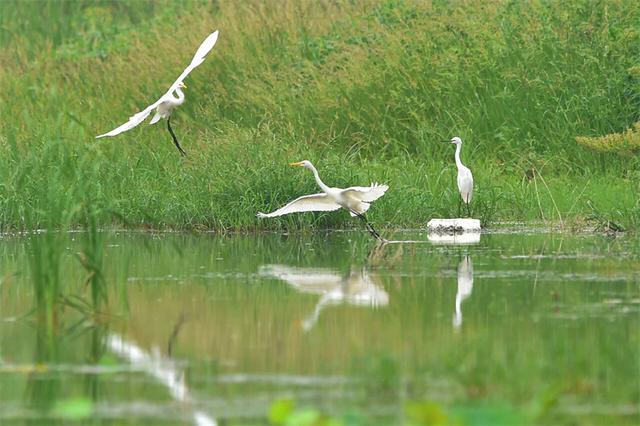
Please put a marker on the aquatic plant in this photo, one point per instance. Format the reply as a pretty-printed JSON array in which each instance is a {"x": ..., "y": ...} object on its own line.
[{"x": 92, "y": 258}]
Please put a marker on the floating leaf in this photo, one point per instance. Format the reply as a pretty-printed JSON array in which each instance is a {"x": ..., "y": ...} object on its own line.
[
  {"x": 73, "y": 409},
  {"x": 427, "y": 413},
  {"x": 280, "y": 411}
]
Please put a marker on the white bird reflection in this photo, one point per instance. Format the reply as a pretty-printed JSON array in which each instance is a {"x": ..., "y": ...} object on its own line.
[
  {"x": 465, "y": 287},
  {"x": 358, "y": 288},
  {"x": 165, "y": 370},
  {"x": 462, "y": 239}
]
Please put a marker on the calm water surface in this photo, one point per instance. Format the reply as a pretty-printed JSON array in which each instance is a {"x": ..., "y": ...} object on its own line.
[{"x": 204, "y": 330}]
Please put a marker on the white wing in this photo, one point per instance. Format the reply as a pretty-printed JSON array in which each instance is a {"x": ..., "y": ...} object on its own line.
[
  {"x": 367, "y": 193},
  {"x": 198, "y": 58},
  {"x": 465, "y": 184},
  {"x": 307, "y": 280},
  {"x": 307, "y": 203},
  {"x": 134, "y": 120}
]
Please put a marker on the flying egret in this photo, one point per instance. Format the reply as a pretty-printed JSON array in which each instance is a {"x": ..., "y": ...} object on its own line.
[
  {"x": 167, "y": 102},
  {"x": 355, "y": 199},
  {"x": 465, "y": 178}
]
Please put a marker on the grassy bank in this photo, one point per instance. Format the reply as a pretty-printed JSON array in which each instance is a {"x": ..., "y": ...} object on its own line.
[{"x": 365, "y": 89}]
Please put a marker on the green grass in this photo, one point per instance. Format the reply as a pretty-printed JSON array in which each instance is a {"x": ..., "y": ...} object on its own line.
[{"x": 364, "y": 89}]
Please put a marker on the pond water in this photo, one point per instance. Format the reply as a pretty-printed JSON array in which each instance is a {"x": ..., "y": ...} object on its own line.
[{"x": 202, "y": 329}]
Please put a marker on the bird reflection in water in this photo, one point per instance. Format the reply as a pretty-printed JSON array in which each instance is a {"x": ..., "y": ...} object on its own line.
[
  {"x": 358, "y": 288},
  {"x": 164, "y": 369},
  {"x": 465, "y": 287}
]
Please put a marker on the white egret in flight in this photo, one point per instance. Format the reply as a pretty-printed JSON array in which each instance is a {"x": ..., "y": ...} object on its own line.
[
  {"x": 167, "y": 102},
  {"x": 167, "y": 371},
  {"x": 465, "y": 178},
  {"x": 355, "y": 199}
]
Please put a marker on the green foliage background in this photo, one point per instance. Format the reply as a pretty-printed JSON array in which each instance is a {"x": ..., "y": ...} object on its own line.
[{"x": 365, "y": 89}]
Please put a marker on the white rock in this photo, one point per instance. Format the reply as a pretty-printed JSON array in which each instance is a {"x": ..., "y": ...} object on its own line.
[{"x": 453, "y": 226}]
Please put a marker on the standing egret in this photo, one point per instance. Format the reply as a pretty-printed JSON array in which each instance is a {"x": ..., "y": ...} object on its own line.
[
  {"x": 465, "y": 287},
  {"x": 465, "y": 178},
  {"x": 167, "y": 102},
  {"x": 355, "y": 199}
]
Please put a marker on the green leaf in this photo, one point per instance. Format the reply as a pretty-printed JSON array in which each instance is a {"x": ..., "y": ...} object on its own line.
[
  {"x": 495, "y": 413},
  {"x": 307, "y": 417},
  {"x": 280, "y": 411},
  {"x": 427, "y": 413},
  {"x": 74, "y": 408}
]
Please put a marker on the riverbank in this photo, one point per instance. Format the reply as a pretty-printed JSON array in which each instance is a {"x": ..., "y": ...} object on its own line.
[{"x": 365, "y": 90}]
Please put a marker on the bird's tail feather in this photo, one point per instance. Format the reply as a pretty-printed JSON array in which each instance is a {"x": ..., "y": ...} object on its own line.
[
  {"x": 363, "y": 207},
  {"x": 155, "y": 118}
]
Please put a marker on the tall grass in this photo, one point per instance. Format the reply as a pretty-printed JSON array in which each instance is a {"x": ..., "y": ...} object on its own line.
[{"x": 365, "y": 89}]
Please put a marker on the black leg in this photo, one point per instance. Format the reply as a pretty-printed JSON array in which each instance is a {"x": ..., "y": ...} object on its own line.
[
  {"x": 459, "y": 206},
  {"x": 369, "y": 227},
  {"x": 469, "y": 209},
  {"x": 174, "y": 333},
  {"x": 175, "y": 140}
]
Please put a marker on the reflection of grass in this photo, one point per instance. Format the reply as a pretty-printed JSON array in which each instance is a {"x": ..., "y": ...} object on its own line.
[
  {"x": 46, "y": 251},
  {"x": 365, "y": 91},
  {"x": 91, "y": 259},
  {"x": 379, "y": 373},
  {"x": 51, "y": 290},
  {"x": 53, "y": 293}
]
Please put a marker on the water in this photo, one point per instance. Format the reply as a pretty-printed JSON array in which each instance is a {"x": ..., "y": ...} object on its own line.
[{"x": 202, "y": 329}]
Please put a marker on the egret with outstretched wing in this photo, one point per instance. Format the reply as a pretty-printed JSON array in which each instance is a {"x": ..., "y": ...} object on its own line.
[
  {"x": 358, "y": 288},
  {"x": 167, "y": 102},
  {"x": 355, "y": 199}
]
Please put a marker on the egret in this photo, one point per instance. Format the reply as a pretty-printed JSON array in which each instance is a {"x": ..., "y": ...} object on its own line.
[
  {"x": 465, "y": 178},
  {"x": 357, "y": 289},
  {"x": 167, "y": 371},
  {"x": 168, "y": 102},
  {"x": 465, "y": 287},
  {"x": 355, "y": 199}
]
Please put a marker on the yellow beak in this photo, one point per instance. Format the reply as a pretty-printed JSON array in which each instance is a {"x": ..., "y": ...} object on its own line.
[{"x": 299, "y": 164}]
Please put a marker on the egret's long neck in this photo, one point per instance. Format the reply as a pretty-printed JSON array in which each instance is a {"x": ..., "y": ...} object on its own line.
[
  {"x": 459, "y": 303},
  {"x": 458, "y": 149},
  {"x": 457, "y": 318},
  {"x": 180, "y": 98},
  {"x": 321, "y": 184}
]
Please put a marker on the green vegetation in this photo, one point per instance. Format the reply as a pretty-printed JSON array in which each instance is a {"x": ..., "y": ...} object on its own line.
[
  {"x": 625, "y": 143},
  {"x": 422, "y": 413},
  {"x": 365, "y": 89}
]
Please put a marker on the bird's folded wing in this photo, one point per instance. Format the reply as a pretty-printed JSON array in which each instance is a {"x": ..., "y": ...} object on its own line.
[
  {"x": 198, "y": 58},
  {"x": 312, "y": 280},
  {"x": 306, "y": 203},
  {"x": 367, "y": 193}
]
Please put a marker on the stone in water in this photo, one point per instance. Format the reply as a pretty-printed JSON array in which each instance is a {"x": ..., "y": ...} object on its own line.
[{"x": 453, "y": 226}]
